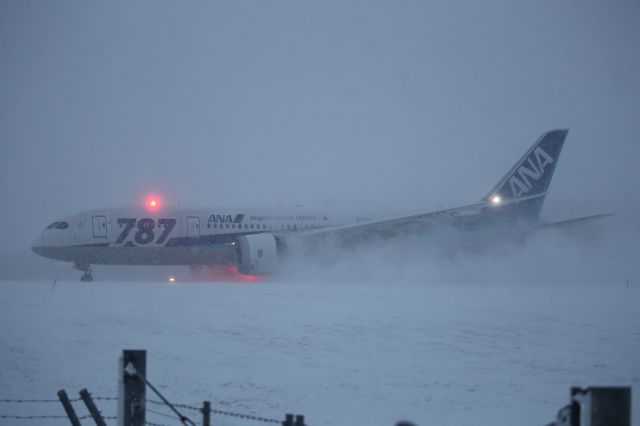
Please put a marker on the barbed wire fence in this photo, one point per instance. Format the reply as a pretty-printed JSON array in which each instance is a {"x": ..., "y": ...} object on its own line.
[
  {"x": 593, "y": 406},
  {"x": 132, "y": 405},
  {"x": 149, "y": 403},
  {"x": 30, "y": 402}
]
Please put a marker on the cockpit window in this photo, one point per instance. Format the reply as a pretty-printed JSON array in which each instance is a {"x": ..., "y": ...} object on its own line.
[{"x": 58, "y": 225}]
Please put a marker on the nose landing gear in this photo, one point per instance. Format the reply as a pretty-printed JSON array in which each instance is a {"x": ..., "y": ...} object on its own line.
[{"x": 86, "y": 276}]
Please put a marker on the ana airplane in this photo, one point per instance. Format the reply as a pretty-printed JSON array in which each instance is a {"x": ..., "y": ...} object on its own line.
[{"x": 254, "y": 240}]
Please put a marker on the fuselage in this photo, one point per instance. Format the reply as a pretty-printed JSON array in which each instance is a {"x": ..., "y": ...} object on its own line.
[{"x": 173, "y": 236}]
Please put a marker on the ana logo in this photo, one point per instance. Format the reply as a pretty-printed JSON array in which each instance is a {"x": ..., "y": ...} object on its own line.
[
  {"x": 529, "y": 172},
  {"x": 222, "y": 218}
]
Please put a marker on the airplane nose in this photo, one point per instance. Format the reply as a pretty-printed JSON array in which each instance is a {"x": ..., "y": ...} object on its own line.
[
  {"x": 38, "y": 244},
  {"x": 52, "y": 240}
]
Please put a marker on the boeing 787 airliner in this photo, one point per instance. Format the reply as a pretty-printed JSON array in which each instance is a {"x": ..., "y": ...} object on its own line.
[{"x": 254, "y": 239}]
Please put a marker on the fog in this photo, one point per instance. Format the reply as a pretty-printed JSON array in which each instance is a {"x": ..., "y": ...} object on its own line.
[
  {"x": 403, "y": 105},
  {"x": 597, "y": 254},
  {"x": 415, "y": 105}
]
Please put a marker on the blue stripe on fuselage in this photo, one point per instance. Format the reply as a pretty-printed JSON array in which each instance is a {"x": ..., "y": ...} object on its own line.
[{"x": 206, "y": 240}]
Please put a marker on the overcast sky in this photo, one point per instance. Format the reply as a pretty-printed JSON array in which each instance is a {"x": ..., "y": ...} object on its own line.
[{"x": 399, "y": 103}]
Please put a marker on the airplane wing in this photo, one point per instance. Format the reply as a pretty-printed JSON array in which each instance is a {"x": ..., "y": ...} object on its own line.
[
  {"x": 391, "y": 227},
  {"x": 465, "y": 218}
]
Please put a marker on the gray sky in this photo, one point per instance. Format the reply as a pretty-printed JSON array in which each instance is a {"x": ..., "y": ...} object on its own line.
[{"x": 398, "y": 103}]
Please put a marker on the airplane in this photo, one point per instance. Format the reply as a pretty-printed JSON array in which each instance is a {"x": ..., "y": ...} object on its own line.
[{"x": 255, "y": 240}]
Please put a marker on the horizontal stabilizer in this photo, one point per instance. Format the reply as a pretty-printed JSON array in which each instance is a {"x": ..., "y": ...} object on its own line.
[{"x": 569, "y": 223}]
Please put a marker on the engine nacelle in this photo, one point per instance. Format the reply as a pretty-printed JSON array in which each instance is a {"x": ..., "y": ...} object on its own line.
[{"x": 257, "y": 254}]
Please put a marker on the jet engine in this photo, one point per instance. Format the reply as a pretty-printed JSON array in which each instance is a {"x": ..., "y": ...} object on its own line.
[{"x": 257, "y": 254}]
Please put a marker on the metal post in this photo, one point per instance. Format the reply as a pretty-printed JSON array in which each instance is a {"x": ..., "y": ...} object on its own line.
[
  {"x": 71, "y": 413},
  {"x": 288, "y": 420},
  {"x": 206, "y": 413},
  {"x": 601, "y": 406},
  {"x": 132, "y": 388},
  {"x": 91, "y": 406},
  {"x": 299, "y": 421}
]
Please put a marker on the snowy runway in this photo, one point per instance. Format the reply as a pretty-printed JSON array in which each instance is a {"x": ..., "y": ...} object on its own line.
[{"x": 337, "y": 353}]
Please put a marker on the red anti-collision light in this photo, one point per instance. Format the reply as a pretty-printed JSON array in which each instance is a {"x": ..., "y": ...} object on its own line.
[{"x": 153, "y": 202}]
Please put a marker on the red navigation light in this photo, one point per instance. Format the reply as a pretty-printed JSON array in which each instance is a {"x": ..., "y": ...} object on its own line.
[{"x": 153, "y": 202}]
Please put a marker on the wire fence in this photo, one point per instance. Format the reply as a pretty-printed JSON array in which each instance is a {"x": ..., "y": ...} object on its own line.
[
  {"x": 21, "y": 401},
  {"x": 149, "y": 403},
  {"x": 218, "y": 412},
  {"x": 133, "y": 404},
  {"x": 154, "y": 424}
]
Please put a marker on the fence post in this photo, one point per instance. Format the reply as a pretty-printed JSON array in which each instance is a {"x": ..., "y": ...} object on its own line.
[
  {"x": 206, "y": 413},
  {"x": 299, "y": 421},
  {"x": 91, "y": 406},
  {"x": 288, "y": 420},
  {"x": 131, "y": 389},
  {"x": 68, "y": 408},
  {"x": 602, "y": 406}
]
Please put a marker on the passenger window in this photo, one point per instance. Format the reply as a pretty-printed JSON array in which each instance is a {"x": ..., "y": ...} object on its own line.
[{"x": 62, "y": 225}]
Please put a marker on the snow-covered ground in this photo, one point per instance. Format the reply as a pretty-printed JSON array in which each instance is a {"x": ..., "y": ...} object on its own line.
[{"x": 338, "y": 353}]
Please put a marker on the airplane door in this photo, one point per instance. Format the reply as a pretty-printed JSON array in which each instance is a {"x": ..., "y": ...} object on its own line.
[
  {"x": 193, "y": 226},
  {"x": 99, "y": 226}
]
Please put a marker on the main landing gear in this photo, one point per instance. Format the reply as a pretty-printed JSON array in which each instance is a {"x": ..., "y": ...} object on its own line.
[{"x": 86, "y": 276}]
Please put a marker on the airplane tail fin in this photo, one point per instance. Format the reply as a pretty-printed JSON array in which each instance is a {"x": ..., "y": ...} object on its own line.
[{"x": 528, "y": 180}]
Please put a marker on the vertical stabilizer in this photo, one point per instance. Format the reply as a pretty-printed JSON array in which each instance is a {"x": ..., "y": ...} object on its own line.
[
  {"x": 530, "y": 177},
  {"x": 532, "y": 174}
]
